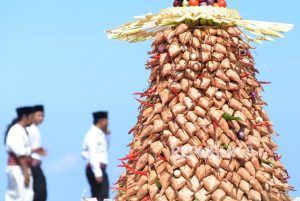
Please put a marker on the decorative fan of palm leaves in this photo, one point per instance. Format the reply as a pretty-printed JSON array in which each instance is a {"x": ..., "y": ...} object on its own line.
[{"x": 147, "y": 26}]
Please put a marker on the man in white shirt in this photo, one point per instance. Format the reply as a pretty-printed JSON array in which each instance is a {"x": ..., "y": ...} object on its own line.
[
  {"x": 95, "y": 152},
  {"x": 39, "y": 179},
  {"x": 19, "y": 150}
]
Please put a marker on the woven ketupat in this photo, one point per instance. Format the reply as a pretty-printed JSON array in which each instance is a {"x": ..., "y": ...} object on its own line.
[{"x": 202, "y": 132}]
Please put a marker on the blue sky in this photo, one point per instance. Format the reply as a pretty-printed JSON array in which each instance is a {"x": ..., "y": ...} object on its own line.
[{"x": 56, "y": 53}]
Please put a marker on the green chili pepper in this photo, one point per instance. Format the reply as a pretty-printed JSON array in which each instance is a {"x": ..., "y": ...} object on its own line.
[
  {"x": 225, "y": 146},
  {"x": 229, "y": 117},
  {"x": 158, "y": 184},
  {"x": 266, "y": 162}
]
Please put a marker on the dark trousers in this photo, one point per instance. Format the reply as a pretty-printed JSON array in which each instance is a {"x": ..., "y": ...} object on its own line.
[
  {"x": 98, "y": 190},
  {"x": 39, "y": 184}
]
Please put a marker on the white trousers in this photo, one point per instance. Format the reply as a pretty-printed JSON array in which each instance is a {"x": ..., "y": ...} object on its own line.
[{"x": 16, "y": 190}]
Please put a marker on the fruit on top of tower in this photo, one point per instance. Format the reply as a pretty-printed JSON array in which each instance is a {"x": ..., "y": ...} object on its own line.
[{"x": 185, "y": 3}]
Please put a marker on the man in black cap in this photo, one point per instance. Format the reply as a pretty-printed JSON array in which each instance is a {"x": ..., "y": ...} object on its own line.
[
  {"x": 39, "y": 180},
  {"x": 95, "y": 149},
  {"x": 19, "y": 151}
]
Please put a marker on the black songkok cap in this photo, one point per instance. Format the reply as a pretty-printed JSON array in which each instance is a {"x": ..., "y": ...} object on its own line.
[
  {"x": 100, "y": 115},
  {"x": 38, "y": 108},
  {"x": 24, "y": 111}
]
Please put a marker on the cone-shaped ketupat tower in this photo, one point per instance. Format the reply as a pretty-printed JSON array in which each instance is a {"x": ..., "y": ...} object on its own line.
[{"x": 202, "y": 133}]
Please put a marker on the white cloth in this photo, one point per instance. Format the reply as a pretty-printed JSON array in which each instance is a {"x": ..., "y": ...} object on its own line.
[
  {"x": 16, "y": 190},
  {"x": 18, "y": 143},
  {"x": 35, "y": 140},
  {"x": 95, "y": 149}
]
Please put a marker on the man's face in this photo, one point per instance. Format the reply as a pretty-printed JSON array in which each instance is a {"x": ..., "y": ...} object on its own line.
[
  {"x": 104, "y": 124},
  {"x": 38, "y": 117},
  {"x": 29, "y": 119}
]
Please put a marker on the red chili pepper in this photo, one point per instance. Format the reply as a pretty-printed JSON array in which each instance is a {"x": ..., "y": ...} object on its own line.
[
  {"x": 144, "y": 93},
  {"x": 146, "y": 198},
  {"x": 243, "y": 75},
  {"x": 262, "y": 124},
  {"x": 150, "y": 64},
  {"x": 145, "y": 103},
  {"x": 129, "y": 144},
  {"x": 133, "y": 159},
  {"x": 126, "y": 166},
  {"x": 140, "y": 118},
  {"x": 121, "y": 179},
  {"x": 162, "y": 158},
  {"x": 131, "y": 130},
  {"x": 265, "y": 82},
  {"x": 138, "y": 93},
  {"x": 129, "y": 168},
  {"x": 215, "y": 124},
  {"x": 131, "y": 156},
  {"x": 151, "y": 52},
  {"x": 149, "y": 92},
  {"x": 176, "y": 94},
  {"x": 119, "y": 189},
  {"x": 203, "y": 144},
  {"x": 200, "y": 76},
  {"x": 156, "y": 56}
]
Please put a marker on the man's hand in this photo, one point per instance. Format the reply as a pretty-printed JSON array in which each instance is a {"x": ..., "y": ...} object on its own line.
[
  {"x": 99, "y": 180},
  {"x": 26, "y": 179},
  {"x": 43, "y": 152},
  {"x": 40, "y": 151},
  {"x": 25, "y": 169}
]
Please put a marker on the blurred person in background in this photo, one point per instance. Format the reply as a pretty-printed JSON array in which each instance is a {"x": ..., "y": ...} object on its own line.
[
  {"x": 95, "y": 148},
  {"x": 39, "y": 179},
  {"x": 17, "y": 142}
]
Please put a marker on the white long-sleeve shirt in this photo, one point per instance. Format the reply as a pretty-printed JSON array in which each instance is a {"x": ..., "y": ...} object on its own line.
[
  {"x": 95, "y": 149},
  {"x": 35, "y": 140},
  {"x": 17, "y": 141}
]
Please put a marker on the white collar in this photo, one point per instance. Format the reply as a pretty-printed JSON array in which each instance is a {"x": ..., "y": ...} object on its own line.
[
  {"x": 19, "y": 125},
  {"x": 32, "y": 126},
  {"x": 98, "y": 130}
]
